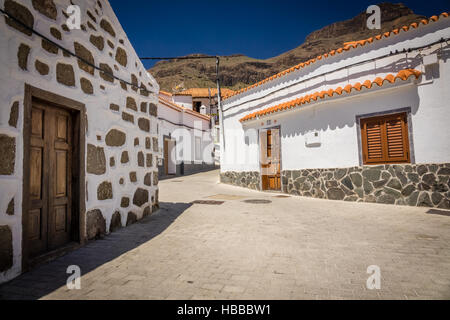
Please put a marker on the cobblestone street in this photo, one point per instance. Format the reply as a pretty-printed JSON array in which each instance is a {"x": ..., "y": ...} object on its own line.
[{"x": 290, "y": 248}]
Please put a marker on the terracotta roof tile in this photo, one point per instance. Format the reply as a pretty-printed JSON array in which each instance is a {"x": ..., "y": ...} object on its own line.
[
  {"x": 402, "y": 75},
  {"x": 347, "y": 46},
  {"x": 204, "y": 92}
]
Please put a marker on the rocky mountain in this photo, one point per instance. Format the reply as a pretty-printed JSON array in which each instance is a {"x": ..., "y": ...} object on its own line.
[{"x": 238, "y": 71}]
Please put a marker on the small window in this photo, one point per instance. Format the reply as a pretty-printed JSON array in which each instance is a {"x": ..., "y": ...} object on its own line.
[
  {"x": 197, "y": 106},
  {"x": 198, "y": 148},
  {"x": 385, "y": 139}
]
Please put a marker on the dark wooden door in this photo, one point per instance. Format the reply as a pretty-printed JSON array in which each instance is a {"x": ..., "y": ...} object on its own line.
[
  {"x": 270, "y": 159},
  {"x": 166, "y": 157},
  {"x": 50, "y": 195}
]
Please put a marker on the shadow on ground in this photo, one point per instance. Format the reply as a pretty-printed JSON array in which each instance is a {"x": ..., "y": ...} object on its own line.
[{"x": 48, "y": 277}]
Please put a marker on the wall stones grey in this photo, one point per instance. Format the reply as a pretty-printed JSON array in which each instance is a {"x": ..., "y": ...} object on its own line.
[
  {"x": 140, "y": 197},
  {"x": 133, "y": 176},
  {"x": 22, "y": 14},
  {"x": 49, "y": 47},
  {"x": 90, "y": 15},
  {"x": 6, "y": 248},
  {"x": 114, "y": 107},
  {"x": 148, "y": 179},
  {"x": 65, "y": 74},
  {"x": 105, "y": 25},
  {"x": 121, "y": 56},
  {"x": 84, "y": 53},
  {"x": 104, "y": 191},
  {"x": 131, "y": 218},
  {"x": 242, "y": 179},
  {"x": 14, "y": 114},
  {"x": 95, "y": 224},
  {"x": 115, "y": 138},
  {"x": 98, "y": 42},
  {"x": 153, "y": 110},
  {"x": 10, "y": 209},
  {"x": 147, "y": 212},
  {"x": 125, "y": 202},
  {"x": 46, "y": 7},
  {"x": 124, "y": 157},
  {"x": 155, "y": 178},
  {"x": 106, "y": 75},
  {"x": 131, "y": 104},
  {"x": 7, "y": 154},
  {"x": 135, "y": 83},
  {"x": 86, "y": 86},
  {"x": 127, "y": 117},
  {"x": 414, "y": 185},
  {"x": 42, "y": 68},
  {"x": 116, "y": 222},
  {"x": 424, "y": 185},
  {"x": 56, "y": 33},
  {"x": 22, "y": 56},
  {"x": 141, "y": 160},
  {"x": 96, "y": 160},
  {"x": 144, "y": 124}
]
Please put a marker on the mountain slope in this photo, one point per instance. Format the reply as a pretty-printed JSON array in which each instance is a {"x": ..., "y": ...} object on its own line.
[{"x": 239, "y": 71}]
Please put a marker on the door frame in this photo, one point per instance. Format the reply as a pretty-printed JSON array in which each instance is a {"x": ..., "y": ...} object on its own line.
[
  {"x": 78, "y": 110},
  {"x": 259, "y": 158},
  {"x": 169, "y": 138}
]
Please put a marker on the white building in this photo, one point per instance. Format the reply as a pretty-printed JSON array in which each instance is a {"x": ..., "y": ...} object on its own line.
[
  {"x": 366, "y": 122},
  {"x": 78, "y": 159},
  {"x": 186, "y": 141}
]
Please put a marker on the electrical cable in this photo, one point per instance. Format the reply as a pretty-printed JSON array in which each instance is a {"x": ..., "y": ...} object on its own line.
[{"x": 404, "y": 51}]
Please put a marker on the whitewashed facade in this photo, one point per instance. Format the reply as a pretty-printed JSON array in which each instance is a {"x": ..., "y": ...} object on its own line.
[
  {"x": 117, "y": 173},
  {"x": 186, "y": 140},
  {"x": 321, "y": 153}
]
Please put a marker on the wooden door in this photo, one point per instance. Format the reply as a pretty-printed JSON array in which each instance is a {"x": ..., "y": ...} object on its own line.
[
  {"x": 50, "y": 194},
  {"x": 166, "y": 157},
  {"x": 270, "y": 159}
]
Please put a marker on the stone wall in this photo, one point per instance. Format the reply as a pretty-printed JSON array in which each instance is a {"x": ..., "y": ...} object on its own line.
[
  {"x": 121, "y": 118},
  {"x": 423, "y": 185},
  {"x": 249, "y": 180}
]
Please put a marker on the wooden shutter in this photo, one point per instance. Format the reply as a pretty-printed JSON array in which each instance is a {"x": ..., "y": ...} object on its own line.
[{"x": 385, "y": 139}]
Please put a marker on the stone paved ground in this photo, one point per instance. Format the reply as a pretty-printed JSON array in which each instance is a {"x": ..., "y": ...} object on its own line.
[{"x": 292, "y": 248}]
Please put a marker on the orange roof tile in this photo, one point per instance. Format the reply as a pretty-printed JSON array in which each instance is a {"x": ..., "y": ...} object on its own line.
[
  {"x": 204, "y": 92},
  {"x": 347, "y": 46},
  {"x": 402, "y": 75}
]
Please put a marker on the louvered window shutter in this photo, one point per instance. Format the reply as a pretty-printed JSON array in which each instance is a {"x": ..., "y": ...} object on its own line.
[
  {"x": 397, "y": 139},
  {"x": 385, "y": 139}
]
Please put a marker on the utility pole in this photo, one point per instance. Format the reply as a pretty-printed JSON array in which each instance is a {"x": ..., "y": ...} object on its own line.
[{"x": 219, "y": 107}]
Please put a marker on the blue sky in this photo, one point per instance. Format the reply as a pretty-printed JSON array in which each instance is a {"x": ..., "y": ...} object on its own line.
[{"x": 259, "y": 29}]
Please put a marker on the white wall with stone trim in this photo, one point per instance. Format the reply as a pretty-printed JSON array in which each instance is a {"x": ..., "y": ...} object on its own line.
[
  {"x": 100, "y": 117},
  {"x": 335, "y": 118}
]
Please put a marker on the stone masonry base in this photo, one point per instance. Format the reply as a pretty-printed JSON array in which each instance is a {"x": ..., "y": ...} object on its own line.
[{"x": 423, "y": 185}]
